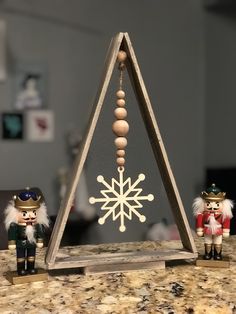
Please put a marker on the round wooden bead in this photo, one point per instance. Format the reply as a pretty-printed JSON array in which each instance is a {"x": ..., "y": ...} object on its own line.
[
  {"x": 120, "y": 113},
  {"x": 120, "y": 153},
  {"x": 122, "y": 55},
  {"x": 120, "y": 102},
  {"x": 120, "y": 161},
  {"x": 121, "y": 142},
  {"x": 120, "y": 127},
  {"x": 120, "y": 94}
]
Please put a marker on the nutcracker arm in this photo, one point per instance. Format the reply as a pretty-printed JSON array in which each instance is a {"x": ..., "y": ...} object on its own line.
[
  {"x": 226, "y": 233},
  {"x": 40, "y": 235},
  {"x": 226, "y": 227},
  {"x": 199, "y": 225},
  {"x": 199, "y": 232},
  {"x": 12, "y": 231},
  {"x": 39, "y": 243},
  {"x": 11, "y": 245}
]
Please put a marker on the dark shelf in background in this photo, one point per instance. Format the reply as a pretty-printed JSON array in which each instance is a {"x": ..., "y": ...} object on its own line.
[
  {"x": 225, "y": 179},
  {"x": 224, "y": 7}
]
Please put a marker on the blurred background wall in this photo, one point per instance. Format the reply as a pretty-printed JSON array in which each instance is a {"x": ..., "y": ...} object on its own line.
[
  {"x": 220, "y": 88},
  {"x": 186, "y": 55}
]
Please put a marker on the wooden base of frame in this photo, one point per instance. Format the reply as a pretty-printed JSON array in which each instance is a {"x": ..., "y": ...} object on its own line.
[
  {"x": 224, "y": 263},
  {"x": 133, "y": 258},
  {"x": 116, "y": 268},
  {"x": 15, "y": 279}
]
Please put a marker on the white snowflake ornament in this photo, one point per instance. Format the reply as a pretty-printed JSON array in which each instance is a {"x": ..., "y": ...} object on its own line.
[{"x": 121, "y": 199}]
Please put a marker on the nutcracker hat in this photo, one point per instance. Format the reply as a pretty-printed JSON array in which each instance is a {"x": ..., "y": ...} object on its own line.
[
  {"x": 27, "y": 200},
  {"x": 213, "y": 194}
]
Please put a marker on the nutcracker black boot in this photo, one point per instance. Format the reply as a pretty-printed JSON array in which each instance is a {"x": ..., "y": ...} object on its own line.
[
  {"x": 30, "y": 265},
  {"x": 21, "y": 267},
  {"x": 208, "y": 251},
  {"x": 217, "y": 252}
]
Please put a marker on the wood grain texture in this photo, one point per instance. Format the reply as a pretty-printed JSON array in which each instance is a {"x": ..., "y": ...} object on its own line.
[
  {"x": 224, "y": 263},
  {"x": 158, "y": 146},
  {"x": 122, "y": 42},
  {"x": 120, "y": 258},
  {"x": 15, "y": 279},
  {"x": 114, "y": 268},
  {"x": 66, "y": 204}
]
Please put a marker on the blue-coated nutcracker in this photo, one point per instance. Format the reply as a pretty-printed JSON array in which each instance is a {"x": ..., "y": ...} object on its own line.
[{"x": 25, "y": 220}]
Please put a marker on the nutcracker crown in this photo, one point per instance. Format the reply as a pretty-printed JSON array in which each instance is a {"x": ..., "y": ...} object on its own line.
[
  {"x": 27, "y": 200},
  {"x": 213, "y": 194}
]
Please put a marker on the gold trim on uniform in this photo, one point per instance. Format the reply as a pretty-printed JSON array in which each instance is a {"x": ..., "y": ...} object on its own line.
[
  {"x": 11, "y": 242},
  {"x": 31, "y": 258},
  {"x": 20, "y": 260}
]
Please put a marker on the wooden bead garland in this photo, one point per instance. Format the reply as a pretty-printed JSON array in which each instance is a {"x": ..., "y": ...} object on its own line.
[
  {"x": 120, "y": 161},
  {"x": 120, "y": 94},
  {"x": 120, "y": 113},
  {"x": 121, "y": 142},
  {"x": 120, "y": 127},
  {"x": 120, "y": 152},
  {"x": 120, "y": 102},
  {"x": 121, "y": 196},
  {"x": 122, "y": 56}
]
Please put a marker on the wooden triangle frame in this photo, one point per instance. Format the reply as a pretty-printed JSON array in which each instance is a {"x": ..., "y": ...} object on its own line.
[{"x": 122, "y": 42}]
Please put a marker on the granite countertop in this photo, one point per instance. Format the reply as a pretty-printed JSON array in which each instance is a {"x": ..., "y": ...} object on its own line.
[{"x": 180, "y": 288}]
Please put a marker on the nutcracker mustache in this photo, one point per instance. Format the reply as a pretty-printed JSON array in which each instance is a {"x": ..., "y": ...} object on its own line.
[
  {"x": 30, "y": 219},
  {"x": 29, "y": 231}
]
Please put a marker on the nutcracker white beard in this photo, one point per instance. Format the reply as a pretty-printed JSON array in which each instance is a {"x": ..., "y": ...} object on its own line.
[
  {"x": 29, "y": 231},
  {"x": 213, "y": 224}
]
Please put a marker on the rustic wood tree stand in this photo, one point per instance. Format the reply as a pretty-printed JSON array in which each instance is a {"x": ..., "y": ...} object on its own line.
[{"x": 109, "y": 262}]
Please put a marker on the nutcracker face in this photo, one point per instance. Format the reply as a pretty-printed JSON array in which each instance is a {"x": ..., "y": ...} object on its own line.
[
  {"x": 213, "y": 206},
  {"x": 27, "y": 216}
]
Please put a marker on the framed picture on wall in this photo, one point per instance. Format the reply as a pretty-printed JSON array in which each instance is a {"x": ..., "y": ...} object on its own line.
[
  {"x": 12, "y": 126},
  {"x": 30, "y": 86},
  {"x": 40, "y": 125}
]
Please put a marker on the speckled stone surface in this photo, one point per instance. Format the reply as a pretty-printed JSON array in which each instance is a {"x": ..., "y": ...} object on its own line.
[{"x": 180, "y": 288}]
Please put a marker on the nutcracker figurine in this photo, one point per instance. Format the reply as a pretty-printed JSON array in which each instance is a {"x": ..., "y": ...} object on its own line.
[
  {"x": 213, "y": 213},
  {"x": 25, "y": 221}
]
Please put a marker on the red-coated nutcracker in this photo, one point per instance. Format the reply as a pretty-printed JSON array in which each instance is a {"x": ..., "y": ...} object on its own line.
[{"x": 213, "y": 213}]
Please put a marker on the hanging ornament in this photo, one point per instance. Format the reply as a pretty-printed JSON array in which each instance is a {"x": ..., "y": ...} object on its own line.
[{"x": 122, "y": 198}]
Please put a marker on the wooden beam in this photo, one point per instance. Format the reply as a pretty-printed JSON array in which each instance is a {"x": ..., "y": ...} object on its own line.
[
  {"x": 116, "y": 258},
  {"x": 123, "y": 267},
  {"x": 67, "y": 202},
  {"x": 158, "y": 147}
]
